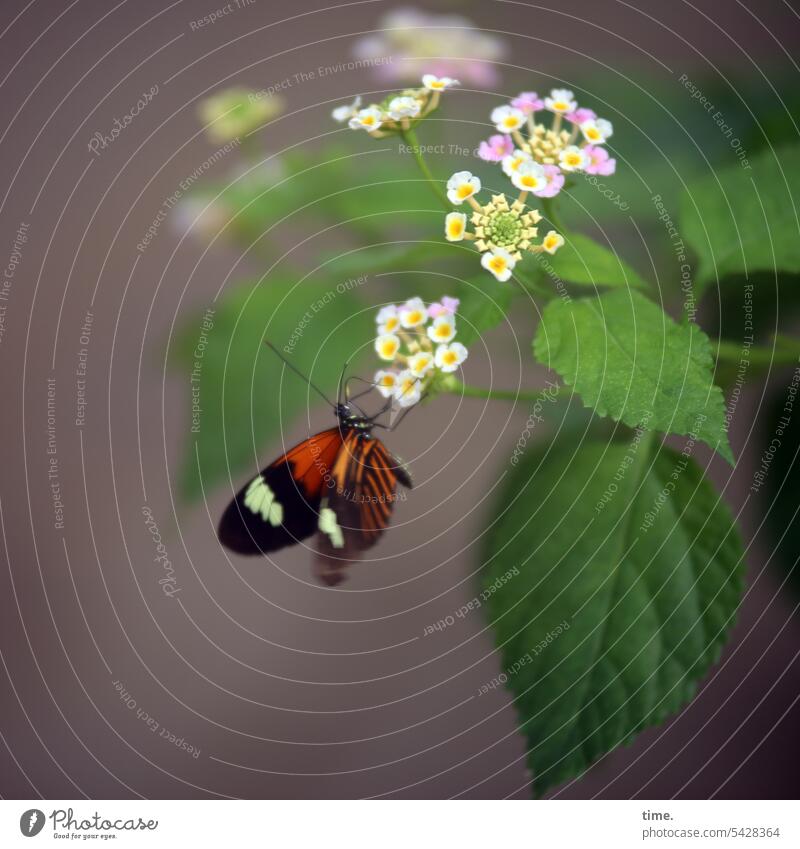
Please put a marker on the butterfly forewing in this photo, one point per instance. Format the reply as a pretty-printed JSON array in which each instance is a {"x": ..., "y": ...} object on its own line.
[{"x": 280, "y": 506}]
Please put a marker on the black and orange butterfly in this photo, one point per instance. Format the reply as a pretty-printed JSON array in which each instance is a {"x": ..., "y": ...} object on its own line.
[{"x": 341, "y": 483}]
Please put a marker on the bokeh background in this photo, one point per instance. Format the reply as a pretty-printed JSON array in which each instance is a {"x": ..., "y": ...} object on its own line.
[{"x": 283, "y": 688}]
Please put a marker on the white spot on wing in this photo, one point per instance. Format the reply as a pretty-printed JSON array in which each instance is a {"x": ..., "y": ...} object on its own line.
[
  {"x": 329, "y": 525},
  {"x": 260, "y": 499}
]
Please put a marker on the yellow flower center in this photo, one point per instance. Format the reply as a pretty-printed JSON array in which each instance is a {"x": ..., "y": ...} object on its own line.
[
  {"x": 388, "y": 349},
  {"x": 593, "y": 134},
  {"x": 561, "y": 106},
  {"x": 391, "y": 323},
  {"x": 497, "y": 263},
  {"x": 464, "y": 190},
  {"x": 368, "y": 120},
  {"x": 456, "y": 227},
  {"x": 414, "y": 317},
  {"x": 550, "y": 242},
  {"x": 449, "y": 358},
  {"x": 443, "y": 331},
  {"x": 573, "y": 159},
  {"x": 529, "y": 181},
  {"x": 511, "y": 121},
  {"x": 436, "y": 84},
  {"x": 387, "y": 380}
]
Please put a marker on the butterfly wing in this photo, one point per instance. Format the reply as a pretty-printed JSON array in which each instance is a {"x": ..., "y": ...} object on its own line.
[
  {"x": 280, "y": 506},
  {"x": 355, "y": 512}
]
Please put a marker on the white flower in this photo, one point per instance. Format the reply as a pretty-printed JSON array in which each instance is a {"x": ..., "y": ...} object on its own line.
[
  {"x": 454, "y": 226},
  {"x": 499, "y": 262},
  {"x": 413, "y": 313},
  {"x": 345, "y": 113},
  {"x": 387, "y": 345},
  {"x": 408, "y": 390},
  {"x": 529, "y": 177},
  {"x": 561, "y": 100},
  {"x": 507, "y": 118},
  {"x": 449, "y": 357},
  {"x": 513, "y": 161},
  {"x": 443, "y": 328},
  {"x": 388, "y": 319},
  {"x": 420, "y": 364},
  {"x": 552, "y": 241},
  {"x": 404, "y": 107},
  {"x": 462, "y": 185},
  {"x": 434, "y": 83},
  {"x": 369, "y": 119},
  {"x": 597, "y": 132},
  {"x": 572, "y": 158},
  {"x": 386, "y": 382}
]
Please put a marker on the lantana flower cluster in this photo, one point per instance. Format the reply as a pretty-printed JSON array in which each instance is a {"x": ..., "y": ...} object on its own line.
[
  {"x": 540, "y": 156},
  {"x": 501, "y": 231},
  {"x": 398, "y": 112},
  {"x": 418, "y": 344}
]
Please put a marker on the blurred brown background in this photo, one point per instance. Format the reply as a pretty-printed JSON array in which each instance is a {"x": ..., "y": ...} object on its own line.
[{"x": 288, "y": 689}]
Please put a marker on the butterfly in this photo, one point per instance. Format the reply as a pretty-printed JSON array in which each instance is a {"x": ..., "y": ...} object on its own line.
[{"x": 340, "y": 483}]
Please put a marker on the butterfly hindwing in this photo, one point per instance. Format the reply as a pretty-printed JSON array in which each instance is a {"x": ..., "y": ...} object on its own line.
[
  {"x": 354, "y": 513},
  {"x": 280, "y": 506}
]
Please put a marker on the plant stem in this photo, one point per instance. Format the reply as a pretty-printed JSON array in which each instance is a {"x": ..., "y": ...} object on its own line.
[
  {"x": 454, "y": 386},
  {"x": 785, "y": 352},
  {"x": 549, "y": 207},
  {"x": 410, "y": 138}
]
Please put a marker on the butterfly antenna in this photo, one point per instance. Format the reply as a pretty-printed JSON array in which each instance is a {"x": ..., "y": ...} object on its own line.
[
  {"x": 297, "y": 371},
  {"x": 341, "y": 382}
]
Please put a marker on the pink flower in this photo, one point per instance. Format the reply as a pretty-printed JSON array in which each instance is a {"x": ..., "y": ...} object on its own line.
[
  {"x": 495, "y": 148},
  {"x": 581, "y": 115},
  {"x": 447, "y": 306},
  {"x": 599, "y": 161},
  {"x": 554, "y": 181},
  {"x": 528, "y": 102}
]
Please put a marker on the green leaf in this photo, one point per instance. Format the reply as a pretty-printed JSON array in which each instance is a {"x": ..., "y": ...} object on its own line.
[
  {"x": 608, "y": 608},
  {"x": 482, "y": 307},
  {"x": 742, "y": 220},
  {"x": 629, "y": 360},
  {"x": 581, "y": 260},
  {"x": 246, "y": 396}
]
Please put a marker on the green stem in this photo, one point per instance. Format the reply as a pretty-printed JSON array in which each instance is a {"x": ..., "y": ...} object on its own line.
[
  {"x": 785, "y": 352},
  {"x": 453, "y": 386},
  {"x": 549, "y": 207},
  {"x": 410, "y": 138}
]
